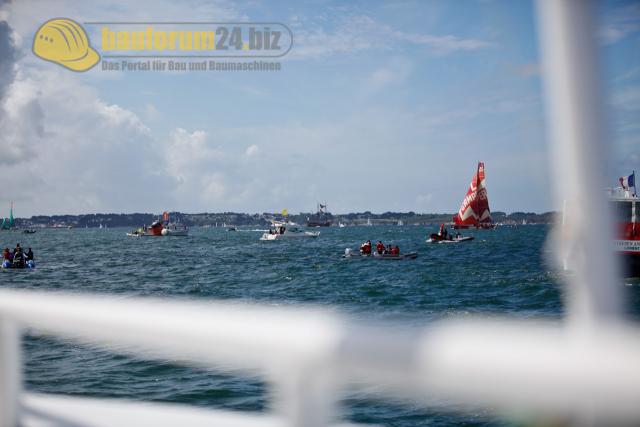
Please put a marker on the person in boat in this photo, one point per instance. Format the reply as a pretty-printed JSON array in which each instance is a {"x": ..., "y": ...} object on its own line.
[
  {"x": 18, "y": 257},
  {"x": 395, "y": 250},
  {"x": 6, "y": 255},
  {"x": 29, "y": 255},
  {"x": 380, "y": 247},
  {"x": 365, "y": 248},
  {"x": 388, "y": 249},
  {"x": 458, "y": 235}
]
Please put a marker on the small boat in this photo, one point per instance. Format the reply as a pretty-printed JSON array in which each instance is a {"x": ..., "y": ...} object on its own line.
[
  {"x": 28, "y": 265},
  {"x": 161, "y": 228},
  {"x": 474, "y": 210},
  {"x": 349, "y": 253},
  {"x": 232, "y": 228},
  {"x": 29, "y": 231},
  {"x": 289, "y": 230},
  {"x": 436, "y": 238}
]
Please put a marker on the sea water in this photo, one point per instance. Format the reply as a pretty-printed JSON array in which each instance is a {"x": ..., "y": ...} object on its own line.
[{"x": 502, "y": 271}]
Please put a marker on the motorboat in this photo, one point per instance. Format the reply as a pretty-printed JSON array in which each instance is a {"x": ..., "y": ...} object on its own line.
[
  {"x": 437, "y": 238},
  {"x": 161, "y": 228},
  {"x": 286, "y": 230}
]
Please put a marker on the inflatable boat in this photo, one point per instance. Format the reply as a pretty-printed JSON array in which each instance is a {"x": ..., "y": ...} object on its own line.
[
  {"x": 436, "y": 238},
  {"x": 348, "y": 253},
  {"x": 27, "y": 264}
]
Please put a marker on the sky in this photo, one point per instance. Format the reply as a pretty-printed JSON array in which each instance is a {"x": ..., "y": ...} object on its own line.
[{"x": 379, "y": 106}]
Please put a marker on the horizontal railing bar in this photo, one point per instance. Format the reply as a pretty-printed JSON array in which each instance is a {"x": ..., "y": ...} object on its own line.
[
  {"x": 505, "y": 364},
  {"x": 45, "y": 410}
]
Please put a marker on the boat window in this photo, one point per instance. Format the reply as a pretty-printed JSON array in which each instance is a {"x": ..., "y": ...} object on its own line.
[{"x": 622, "y": 211}]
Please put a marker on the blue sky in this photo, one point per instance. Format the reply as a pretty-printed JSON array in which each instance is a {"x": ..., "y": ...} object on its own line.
[{"x": 379, "y": 106}]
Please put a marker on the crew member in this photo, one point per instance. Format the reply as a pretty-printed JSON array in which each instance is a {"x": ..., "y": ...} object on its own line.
[
  {"x": 18, "y": 257},
  {"x": 380, "y": 247},
  {"x": 365, "y": 248}
]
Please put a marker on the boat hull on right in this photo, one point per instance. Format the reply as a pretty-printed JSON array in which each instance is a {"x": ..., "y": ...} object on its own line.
[{"x": 626, "y": 208}]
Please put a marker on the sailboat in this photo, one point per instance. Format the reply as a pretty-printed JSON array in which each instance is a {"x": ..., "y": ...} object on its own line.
[
  {"x": 474, "y": 210},
  {"x": 8, "y": 224}
]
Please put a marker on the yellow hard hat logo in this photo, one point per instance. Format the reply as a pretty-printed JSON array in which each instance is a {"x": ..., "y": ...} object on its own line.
[{"x": 65, "y": 42}]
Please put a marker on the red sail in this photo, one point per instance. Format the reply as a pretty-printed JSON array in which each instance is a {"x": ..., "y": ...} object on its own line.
[{"x": 474, "y": 210}]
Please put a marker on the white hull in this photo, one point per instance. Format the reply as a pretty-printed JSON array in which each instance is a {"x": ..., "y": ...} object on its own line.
[
  {"x": 289, "y": 235},
  {"x": 456, "y": 240},
  {"x": 170, "y": 232}
]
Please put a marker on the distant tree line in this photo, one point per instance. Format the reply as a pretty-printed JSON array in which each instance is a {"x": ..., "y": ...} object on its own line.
[{"x": 257, "y": 219}]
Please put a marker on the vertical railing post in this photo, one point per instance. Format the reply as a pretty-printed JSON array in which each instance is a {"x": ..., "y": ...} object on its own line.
[
  {"x": 569, "y": 42},
  {"x": 10, "y": 372},
  {"x": 304, "y": 396}
]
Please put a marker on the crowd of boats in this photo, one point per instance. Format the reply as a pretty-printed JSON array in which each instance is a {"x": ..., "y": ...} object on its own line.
[{"x": 474, "y": 212}]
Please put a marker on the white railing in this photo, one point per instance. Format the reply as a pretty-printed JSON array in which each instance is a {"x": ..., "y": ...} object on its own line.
[
  {"x": 308, "y": 354},
  {"x": 584, "y": 370}
]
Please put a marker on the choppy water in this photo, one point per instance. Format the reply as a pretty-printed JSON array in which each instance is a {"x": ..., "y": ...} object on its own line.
[{"x": 502, "y": 271}]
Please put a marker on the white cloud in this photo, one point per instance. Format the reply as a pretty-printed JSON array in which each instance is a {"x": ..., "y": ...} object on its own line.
[
  {"x": 395, "y": 72},
  {"x": 252, "y": 150},
  {"x": 620, "y": 23},
  {"x": 627, "y": 98},
  {"x": 72, "y": 152},
  {"x": 355, "y": 33}
]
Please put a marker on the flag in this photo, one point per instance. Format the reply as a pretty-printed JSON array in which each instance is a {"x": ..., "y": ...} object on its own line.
[
  {"x": 628, "y": 181},
  {"x": 284, "y": 212}
]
